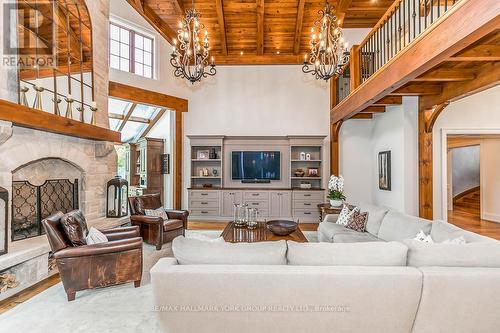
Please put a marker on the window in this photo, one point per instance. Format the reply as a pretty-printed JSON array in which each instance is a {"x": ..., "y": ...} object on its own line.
[{"x": 130, "y": 51}]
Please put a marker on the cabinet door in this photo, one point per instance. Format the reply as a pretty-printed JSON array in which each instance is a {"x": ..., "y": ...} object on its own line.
[
  {"x": 286, "y": 205},
  {"x": 275, "y": 204},
  {"x": 229, "y": 199}
]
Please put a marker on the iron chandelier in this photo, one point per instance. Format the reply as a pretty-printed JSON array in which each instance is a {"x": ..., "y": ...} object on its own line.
[
  {"x": 190, "y": 53},
  {"x": 328, "y": 50}
]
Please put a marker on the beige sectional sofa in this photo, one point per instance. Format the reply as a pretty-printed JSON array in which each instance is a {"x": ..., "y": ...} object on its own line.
[{"x": 213, "y": 286}]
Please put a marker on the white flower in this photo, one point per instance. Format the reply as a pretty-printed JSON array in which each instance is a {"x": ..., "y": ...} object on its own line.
[
  {"x": 333, "y": 184},
  {"x": 340, "y": 184}
]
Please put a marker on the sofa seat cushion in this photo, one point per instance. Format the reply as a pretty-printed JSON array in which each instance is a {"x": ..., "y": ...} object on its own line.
[
  {"x": 338, "y": 254},
  {"x": 354, "y": 237},
  {"x": 397, "y": 226},
  {"x": 190, "y": 251},
  {"x": 479, "y": 254},
  {"x": 375, "y": 216},
  {"x": 326, "y": 230},
  {"x": 442, "y": 231},
  {"x": 172, "y": 224}
]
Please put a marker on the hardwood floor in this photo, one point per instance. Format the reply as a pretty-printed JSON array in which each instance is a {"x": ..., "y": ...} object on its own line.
[
  {"x": 26, "y": 294},
  {"x": 466, "y": 215}
]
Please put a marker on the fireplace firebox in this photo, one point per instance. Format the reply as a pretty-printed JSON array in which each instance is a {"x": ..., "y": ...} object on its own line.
[{"x": 31, "y": 204}]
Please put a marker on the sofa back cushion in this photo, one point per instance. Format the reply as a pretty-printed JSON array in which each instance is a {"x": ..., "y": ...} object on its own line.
[
  {"x": 190, "y": 251},
  {"x": 442, "y": 231},
  {"x": 479, "y": 254},
  {"x": 397, "y": 226},
  {"x": 347, "y": 254},
  {"x": 75, "y": 227},
  {"x": 375, "y": 216}
]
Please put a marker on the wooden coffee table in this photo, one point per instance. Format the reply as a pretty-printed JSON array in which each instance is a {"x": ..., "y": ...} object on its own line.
[{"x": 235, "y": 234}]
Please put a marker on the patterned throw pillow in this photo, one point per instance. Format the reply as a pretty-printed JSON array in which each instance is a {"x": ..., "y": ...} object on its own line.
[
  {"x": 345, "y": 215},
  {"x": 156, "y": 212},
  {"x": 75, "y": 227},
  {"x": 95, "y": 237},
  {"x": 357, "y": 221},
  {"x": 423, "y": 237}
]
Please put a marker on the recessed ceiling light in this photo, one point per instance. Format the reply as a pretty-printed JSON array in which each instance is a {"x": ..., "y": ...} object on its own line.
[
  {"x": 277, "y": 52},
  {"x": 241, "y": 52}
]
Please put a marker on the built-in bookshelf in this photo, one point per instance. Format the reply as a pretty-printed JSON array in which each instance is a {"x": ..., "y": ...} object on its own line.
[
  {"x": 206, "y": 163},
  {"x": 306, "y": 165}
]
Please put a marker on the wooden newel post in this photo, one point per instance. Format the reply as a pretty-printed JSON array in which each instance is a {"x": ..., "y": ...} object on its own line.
[{"x": 355, "y": 67}]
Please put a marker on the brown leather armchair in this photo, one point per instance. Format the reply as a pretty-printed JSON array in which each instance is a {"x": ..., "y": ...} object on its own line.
[
  {"x": 154, "y": 229},
  {"x": 98, "y": 265}
]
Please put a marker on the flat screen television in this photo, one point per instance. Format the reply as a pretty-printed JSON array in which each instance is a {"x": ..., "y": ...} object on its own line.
[{"x": 255, "y": 165}]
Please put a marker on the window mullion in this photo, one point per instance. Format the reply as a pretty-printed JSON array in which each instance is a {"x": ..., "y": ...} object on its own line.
[{"x": 132, "y": 51}]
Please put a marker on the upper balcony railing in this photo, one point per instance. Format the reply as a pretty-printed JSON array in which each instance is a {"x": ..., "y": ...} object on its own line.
[{"x": 403, "y": 22}]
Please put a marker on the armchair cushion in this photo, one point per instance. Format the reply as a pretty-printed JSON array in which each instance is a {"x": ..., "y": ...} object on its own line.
[
  {"x": 102, "y": 248},
  {"x": 146, "y": 219},
  {"x": 177, "y": 214},
  {"x": 122, "y": 233},
  {"x": 75, "y": 227},
  {"x": 172, "y": 225}
]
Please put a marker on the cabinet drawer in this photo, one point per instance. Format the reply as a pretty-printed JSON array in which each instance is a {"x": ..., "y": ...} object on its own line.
[
  {"x": 204, "y": 212},
  {"x": 258, "y": 204},
  {"x": 309, "y": 205},
  {"x": 262, "y": 213},
  {"x": 254, "y": 195},
  {"x": 306, "y": 214},
  {"x": 203, "y": 195},
  {"x": 196, "y": 203},
  {"x": 317, "y": 196}
]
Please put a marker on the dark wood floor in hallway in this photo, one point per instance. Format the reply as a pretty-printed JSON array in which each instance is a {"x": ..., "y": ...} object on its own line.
[{"x": 466, "y": 215}]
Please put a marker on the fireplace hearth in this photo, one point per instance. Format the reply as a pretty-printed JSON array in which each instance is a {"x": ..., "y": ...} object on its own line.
[{"x": 31, "y": 204}]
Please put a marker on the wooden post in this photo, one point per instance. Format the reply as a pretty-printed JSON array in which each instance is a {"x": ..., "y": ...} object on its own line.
[
  {"x": 178, "y": 160},
  {"x": 333, "y": 92},
  {"x": 335, "y": 148},
  {"x": 426, "y": 118},
  {"x": 355, "y": 67}
]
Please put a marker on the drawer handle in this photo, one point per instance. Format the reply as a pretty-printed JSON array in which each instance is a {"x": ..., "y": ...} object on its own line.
[
  {"x": 255, "y": 194},
  {"x": 204, "y": 203},
  {"x": 204, "y": 212},
  {"x": 255, "y": 203},
  {"x": 307, "y": 213},
  {"x": 307, "y": 195},
  {"x": 204, "y": 194},
  {"x": 307, "y": 204}
]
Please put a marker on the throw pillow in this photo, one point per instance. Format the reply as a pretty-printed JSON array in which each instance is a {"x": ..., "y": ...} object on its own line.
[
  {"x": 423, "y": 237},
  {"x": 345, "y": 215},
  {"x": 357, "y": 221},
  {"x": 458, "y": 240},
  {"x": 95, "y": 237},
  {"x": 75, "y": 227},
  {"x": 160, "y": 212}
]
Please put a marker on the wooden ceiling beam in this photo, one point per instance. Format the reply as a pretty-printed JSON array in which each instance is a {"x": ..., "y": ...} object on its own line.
[
  {"x": 390, "y": 100},
  {"x": 374, "y": 109},
  {"x": 150, "y": 15},
  {"x": 479, "y": 53},
  {"x": 341, "y": 9},
  {"x": 260, "y": 27},
  {"x": 265, "y": 59},
  {"x": 415, "y": 89},
  {"x": 222, "y": 25},
  {"x": 179, "y": 6},
  {"x": 446, "y": 74},
  {"x": 486, "y": 77},
  {"x": 298, "y": 26}
]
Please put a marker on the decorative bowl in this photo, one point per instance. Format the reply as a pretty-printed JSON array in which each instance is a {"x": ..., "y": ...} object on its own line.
[{"x": 281, "y": 227}]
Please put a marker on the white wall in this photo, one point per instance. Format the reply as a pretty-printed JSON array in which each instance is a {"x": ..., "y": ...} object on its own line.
[
  {"x": 490, "y": 176},
  {"x": 362, "y": 140},
  {"x": 465, "y": 168},
  {"x": 477, "y": 112}
]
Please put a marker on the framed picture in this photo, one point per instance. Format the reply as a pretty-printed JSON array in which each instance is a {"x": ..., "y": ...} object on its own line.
[
  {"x": 384, "y": 170},
  {"x": 313, "y": 172},
  {"x": 203, "y": 154}
]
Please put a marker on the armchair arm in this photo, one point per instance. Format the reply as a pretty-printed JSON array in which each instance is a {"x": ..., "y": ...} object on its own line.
[
  {"x": 101, "y": 248},
  {"x": 177, "y": 214},
  {"x": 331, "y": 218},
  {"x": 121, "y": 233},
  {"x": 146, "y": 219}
]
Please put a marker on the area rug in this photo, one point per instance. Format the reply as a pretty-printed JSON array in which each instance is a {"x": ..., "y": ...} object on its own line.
[{"x": 115, "y": 309}]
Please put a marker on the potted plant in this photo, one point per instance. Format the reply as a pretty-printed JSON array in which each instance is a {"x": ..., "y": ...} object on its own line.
[{"x": 335, "y": 191}]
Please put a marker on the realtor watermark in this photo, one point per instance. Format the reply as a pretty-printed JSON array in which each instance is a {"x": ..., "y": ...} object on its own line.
[
  {"x": 253, "y": 308},
  {"x": 28, "y": 34}
]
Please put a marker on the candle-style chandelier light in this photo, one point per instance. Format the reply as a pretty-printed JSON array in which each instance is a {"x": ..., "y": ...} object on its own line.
[
  {"x": 190, "y": 52},
  {"x": 328, "y": 50}
]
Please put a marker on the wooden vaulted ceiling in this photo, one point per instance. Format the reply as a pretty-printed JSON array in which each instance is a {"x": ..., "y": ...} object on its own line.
[{"x": 265, "y": 31}]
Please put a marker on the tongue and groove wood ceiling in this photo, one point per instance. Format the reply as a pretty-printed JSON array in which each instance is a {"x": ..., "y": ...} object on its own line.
[{"x": 265, "y": 31}]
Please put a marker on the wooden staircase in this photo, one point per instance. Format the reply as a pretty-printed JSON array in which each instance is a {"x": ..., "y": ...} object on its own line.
[{"x": 468, "y": 201}]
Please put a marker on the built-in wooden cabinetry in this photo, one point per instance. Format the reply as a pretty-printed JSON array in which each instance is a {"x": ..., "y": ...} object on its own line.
[
  {"x": 145, "y": 165},
  {"x": 212, "y": 196}
]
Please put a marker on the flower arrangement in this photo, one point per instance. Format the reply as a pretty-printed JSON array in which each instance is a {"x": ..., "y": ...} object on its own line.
[{"x": 336, "y": 189}]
